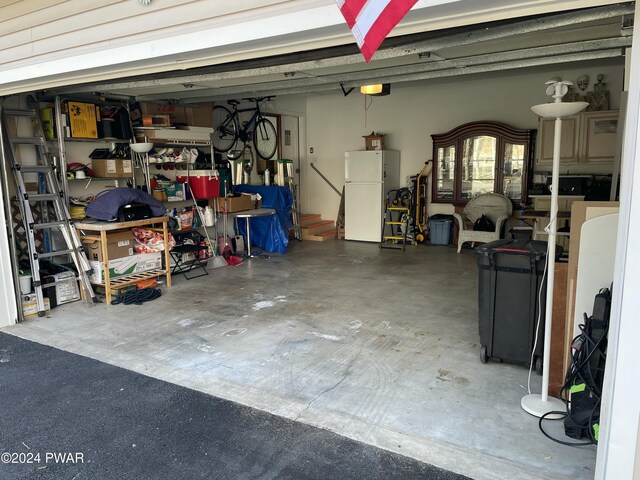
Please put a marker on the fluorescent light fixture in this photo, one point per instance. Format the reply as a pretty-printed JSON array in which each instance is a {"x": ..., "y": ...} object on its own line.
[{"x": 378, "y": 89}]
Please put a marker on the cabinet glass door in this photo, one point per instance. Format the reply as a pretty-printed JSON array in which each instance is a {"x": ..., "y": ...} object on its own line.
[
  {"x": 478, "y": 165},
  {"x": 446, "y": 172},
  {"x": 512, "y": 169},
  {"x": 480, "y": 157}
]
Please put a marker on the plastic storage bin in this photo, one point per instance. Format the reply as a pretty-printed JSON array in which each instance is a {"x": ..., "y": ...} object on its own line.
[
  {"x": 204, "y": 183},
  {"x": 511, "y": 278},
  {"x": 440, "y": 229}
]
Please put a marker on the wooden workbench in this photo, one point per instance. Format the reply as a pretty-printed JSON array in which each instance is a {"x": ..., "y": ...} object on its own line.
[{"x": 97, "y": 231}]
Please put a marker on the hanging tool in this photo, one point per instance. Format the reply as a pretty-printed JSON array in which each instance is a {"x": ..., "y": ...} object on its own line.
[
  {"x": 226, "y": 247},
  {"x": 421, "y": 232},
  {"x": 286, "y": 169},
  {"x": 216, "y": 261}
]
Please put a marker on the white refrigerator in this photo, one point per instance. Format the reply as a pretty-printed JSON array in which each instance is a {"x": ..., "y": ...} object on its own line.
[{"x": 368, "y": 177}]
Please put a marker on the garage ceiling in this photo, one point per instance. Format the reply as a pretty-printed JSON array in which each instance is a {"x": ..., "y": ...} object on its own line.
[{"x": 579, "y": 36}]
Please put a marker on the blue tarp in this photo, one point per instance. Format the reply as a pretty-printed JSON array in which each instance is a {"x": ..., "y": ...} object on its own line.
[
  {"x": 269, "y": 233},
  {"x": 266, "y": 233},
  {"x": 278, "y": 198}
]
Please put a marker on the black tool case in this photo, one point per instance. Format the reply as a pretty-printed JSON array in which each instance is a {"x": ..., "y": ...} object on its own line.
[{"x": 511, "y": 278}]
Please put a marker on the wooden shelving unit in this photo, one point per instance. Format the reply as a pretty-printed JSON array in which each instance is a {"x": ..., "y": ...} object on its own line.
[{"x": 99, "y": 231}]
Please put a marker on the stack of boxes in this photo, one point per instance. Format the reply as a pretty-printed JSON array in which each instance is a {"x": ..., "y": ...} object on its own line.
[
  {"x": 154, "y": 115},
  {"x": 122, "y": 257},
  {"x": 63, "y": 288}
]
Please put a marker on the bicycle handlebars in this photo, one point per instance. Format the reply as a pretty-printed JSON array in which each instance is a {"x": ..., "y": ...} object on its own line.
[{"x": 235, "y": 102}]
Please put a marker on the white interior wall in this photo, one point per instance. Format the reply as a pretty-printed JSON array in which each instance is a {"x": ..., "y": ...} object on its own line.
[
  {"x": 8, "y": 308},
  {"x": 296, "y": 106},
  {"x": 415, "y": 111},
  {"x": 620, "y": 411}
]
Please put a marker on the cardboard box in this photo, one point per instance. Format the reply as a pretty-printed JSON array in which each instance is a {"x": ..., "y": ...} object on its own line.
[
  {"x": 119, "y": 267},
  {"x": 236, "y": 204},
  {"x": 156, "y": 120},
  {"x": 30, "y": 306},
  {"x": 83, "y": 120},
  {"x": 65, "y": 289},
  {"x": 119, "y": 245},
  {"x": 112, "y": 168},
  {"x": 199, "y": 116},
  {"x": 374, "y": 142},
  {"x": 198, "y": 134}
]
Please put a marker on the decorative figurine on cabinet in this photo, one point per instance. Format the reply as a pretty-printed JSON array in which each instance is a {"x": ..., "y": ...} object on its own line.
[
  {"x": 599, "y": 98},
  {"x": 579, "y": 94}
]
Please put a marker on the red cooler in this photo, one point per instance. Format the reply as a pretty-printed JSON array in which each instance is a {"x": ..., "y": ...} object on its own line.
[{"x": 204, "y": 183}]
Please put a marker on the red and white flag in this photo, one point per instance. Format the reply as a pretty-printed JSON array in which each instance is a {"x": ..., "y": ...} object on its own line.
[{"x": 371, "y": 21}]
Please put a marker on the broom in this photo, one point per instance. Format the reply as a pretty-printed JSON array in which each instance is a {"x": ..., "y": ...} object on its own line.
[{"x": 215, "y": 261}]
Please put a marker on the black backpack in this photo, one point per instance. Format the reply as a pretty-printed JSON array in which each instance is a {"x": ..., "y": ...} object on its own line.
[{"x": 484, "y": 224}]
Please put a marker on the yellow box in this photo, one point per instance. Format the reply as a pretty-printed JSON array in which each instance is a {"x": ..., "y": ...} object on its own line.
[
  {"x": 48, "y": 123},
  {"x": 83, "y": 120},
  {"x": 30, "y": 306}
]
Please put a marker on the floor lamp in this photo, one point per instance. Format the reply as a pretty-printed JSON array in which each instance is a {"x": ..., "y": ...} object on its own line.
[{"x": 540, "y": 404}]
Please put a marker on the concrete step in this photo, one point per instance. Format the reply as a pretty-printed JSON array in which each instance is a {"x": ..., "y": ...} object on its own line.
[
  {"x": 309, "y": 218},
  {"x": 319, "y": 226},
  {"x": 315, "y": 229},
  {"x": 320, "y": 237}
]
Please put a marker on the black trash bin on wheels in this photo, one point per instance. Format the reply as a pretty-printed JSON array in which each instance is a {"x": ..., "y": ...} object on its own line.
[{"x": 511, "y": 294}]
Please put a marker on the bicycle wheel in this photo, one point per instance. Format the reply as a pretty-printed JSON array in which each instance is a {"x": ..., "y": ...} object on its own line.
[
  {"x": 225, "y": 131},
  {"x": 265, "y": 138}
]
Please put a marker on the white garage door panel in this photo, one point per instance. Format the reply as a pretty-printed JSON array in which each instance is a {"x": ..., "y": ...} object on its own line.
[{"x": 184, "y": 34}]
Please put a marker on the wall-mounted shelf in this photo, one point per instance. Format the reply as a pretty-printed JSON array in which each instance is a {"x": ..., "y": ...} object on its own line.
[
  {"x": 100, "y": 179},
  {"x": 186, "y": 166},
  {"x": 176, "y": 142},
  {"x": 63, "y": 119},
  {"x": 175, "y": 137},
  {"x": 93, "y": 140}
]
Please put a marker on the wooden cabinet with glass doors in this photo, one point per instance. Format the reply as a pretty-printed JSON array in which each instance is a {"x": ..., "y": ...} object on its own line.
[{"x": 480, "y": 157}]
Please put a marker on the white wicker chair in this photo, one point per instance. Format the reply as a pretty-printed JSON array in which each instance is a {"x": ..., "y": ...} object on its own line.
[{"x": 495, "y": 206}]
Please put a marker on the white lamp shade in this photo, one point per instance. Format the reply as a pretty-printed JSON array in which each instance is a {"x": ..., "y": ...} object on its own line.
[
  {"x": 141, "y": 147},
  {"x": 558, "y": 109}
]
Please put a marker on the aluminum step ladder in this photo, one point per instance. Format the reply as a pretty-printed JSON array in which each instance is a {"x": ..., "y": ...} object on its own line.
[
  {"x": 397, "y": 218},
  {"x": 285, "y": 175},
  {"x": 50, "y": 196}
]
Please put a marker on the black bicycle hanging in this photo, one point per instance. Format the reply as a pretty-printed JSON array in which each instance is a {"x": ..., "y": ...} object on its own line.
[{"x": 227, "y": 129}]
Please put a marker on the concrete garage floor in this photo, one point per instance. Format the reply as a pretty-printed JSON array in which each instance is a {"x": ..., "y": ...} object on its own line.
[{"x": 377, "y": 345}]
